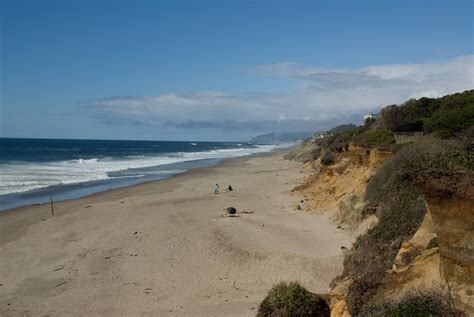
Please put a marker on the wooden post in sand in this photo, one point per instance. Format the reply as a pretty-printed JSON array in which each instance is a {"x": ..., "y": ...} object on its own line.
[{"x": 52, "y": 208}]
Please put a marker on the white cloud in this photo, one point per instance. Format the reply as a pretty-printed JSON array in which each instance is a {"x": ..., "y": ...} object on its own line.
[
  {"x": 283, "y": 69},
  {"x": 326, "y": 97}
]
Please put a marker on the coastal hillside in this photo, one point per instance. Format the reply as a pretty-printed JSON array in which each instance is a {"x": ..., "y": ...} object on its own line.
[
  {"x": 277, "y": 138},
  {"x": 402, "y": 185}
]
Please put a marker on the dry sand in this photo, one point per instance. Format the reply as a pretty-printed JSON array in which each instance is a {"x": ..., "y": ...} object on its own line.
[{"x": 164, "y": 248}]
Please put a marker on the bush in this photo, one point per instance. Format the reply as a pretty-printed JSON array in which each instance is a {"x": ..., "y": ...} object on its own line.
[
  {"x": 446, "y": 123},
  {"x": 291, "y": 299},
  {"x": 413, "y": 159},
  {"x": 361, "y": 292},
  {"x": 433, "y": 243},
  {"x": 374, "y": 252},
  {"x": 391, "y": 117},
  {"x": 445, "y": 116},
  {"x": 328, "y": 158},
  {"x": 453, "y": 161},
  {"x": 431, "y": 303},
  {"x": 337, "y": 141},
  {"x": 377, "y": 137},
  {"x": 342, "y": 128}
]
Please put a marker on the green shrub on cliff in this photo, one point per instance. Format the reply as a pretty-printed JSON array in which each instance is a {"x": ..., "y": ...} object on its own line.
[
  {"x": 414, "y": 159},
  {"x": 446, "y": 116},
  {"x": 377, "y": 137},
  {"x": 454, "y": 160},
  {"x": 328, "y": 158},
  {"x": 448, "y": 122},
  {"x": 342, "y": 128},
  {"x": 433, "y": 243},
  {"x": 373, "y": 253},
  {"x": 338, "y": 140},
  {"x": 291, "y": 299},
  {"x": 432, "y": 303}
]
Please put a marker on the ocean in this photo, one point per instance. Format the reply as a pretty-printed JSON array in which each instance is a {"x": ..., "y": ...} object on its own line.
[{"x": 33, "y": 170}]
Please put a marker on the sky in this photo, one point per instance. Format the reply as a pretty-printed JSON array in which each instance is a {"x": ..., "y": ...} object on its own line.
[{"x": 222, "y": 70}]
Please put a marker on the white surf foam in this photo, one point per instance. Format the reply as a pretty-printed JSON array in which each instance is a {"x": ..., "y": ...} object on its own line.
[{"x": 22, "y": 177}]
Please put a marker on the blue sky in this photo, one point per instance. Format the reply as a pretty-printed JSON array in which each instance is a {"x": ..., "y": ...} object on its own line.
[{"x": 221, "y": 70}]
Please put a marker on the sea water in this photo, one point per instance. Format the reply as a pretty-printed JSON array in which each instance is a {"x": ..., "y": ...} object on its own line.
[{"x": 33, "y": 170}]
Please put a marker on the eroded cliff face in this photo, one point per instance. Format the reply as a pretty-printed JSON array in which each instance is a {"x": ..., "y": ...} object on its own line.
[
  {"x": 416, "y": 267},
  {"x": 420, "y": 266},
  {"x": 308, "y": 151},
  {"x": 338, "y": 190},
  {"x": 369, "y": 157},
  {"x": 450, "y": 196}
]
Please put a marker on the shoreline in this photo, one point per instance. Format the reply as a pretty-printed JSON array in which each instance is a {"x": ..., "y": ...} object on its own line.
[
  {"x": 163, "y": 248},
  {"x": 68, "y": 192},
  {"x": 31, "y": 215}
]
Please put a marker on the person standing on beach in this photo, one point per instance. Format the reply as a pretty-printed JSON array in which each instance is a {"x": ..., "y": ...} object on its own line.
[{"x": 216, "y": 189}]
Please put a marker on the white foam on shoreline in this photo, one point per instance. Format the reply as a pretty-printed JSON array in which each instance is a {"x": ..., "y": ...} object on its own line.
[{"x": 20, "y": 177}]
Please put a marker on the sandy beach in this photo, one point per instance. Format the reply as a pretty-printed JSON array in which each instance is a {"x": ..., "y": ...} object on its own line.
[{"x": 165, "y": 249}]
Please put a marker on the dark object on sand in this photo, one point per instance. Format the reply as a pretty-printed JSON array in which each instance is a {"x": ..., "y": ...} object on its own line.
[
  {"x": 230, "y": 188},
  {"x": 231, "y": 210}
]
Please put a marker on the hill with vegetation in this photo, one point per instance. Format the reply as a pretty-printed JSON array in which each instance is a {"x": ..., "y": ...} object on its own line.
[
  {"x": 413, "y": 218},
  {"x": 276, "y": 138},
  {"x": 447, "y": 117}
]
